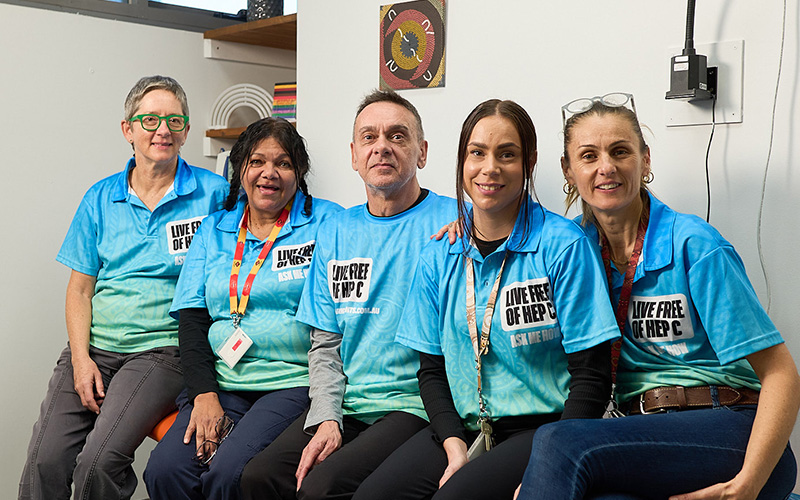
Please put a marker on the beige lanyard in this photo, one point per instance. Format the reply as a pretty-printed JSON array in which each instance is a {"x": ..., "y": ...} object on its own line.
[{"x": 481, "y": 346}]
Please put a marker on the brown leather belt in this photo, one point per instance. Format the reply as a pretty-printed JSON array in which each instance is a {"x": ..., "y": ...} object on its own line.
[{"x": 689, "y": 398}]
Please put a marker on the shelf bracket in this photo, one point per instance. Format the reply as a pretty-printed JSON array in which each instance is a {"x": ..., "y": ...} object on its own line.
[{"x": 253, "y": 54}]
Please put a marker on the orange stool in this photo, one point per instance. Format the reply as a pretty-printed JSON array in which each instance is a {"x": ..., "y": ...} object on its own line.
[{"x": 163, "y": 426}]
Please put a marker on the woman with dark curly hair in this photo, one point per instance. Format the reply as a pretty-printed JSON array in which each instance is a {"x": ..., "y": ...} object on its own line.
[{"x": 245, "y": 358}]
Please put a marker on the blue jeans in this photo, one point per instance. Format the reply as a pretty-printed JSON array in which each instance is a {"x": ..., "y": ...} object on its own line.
[
  {"x": 171, "y": 472},
  {"x": 646, "y": 456},
  {"x": 71, "y": 444}
]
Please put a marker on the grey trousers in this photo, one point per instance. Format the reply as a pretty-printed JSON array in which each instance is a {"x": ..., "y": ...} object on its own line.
[{"x": 72, "y": 444}]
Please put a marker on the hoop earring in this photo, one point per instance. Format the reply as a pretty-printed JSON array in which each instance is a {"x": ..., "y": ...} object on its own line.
[
  {"x": 647, "y": 179},
  {"x": 567, "y": 187}
]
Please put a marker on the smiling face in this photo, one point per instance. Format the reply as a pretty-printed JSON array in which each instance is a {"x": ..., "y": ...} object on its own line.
[
  {"x": 606, "y": 163},
  {"x": 160, "y": 147},
  {"x": 493, "y": 171},
  {"x": 386, "y": 150},
  {"x": 269, "y": 179}
]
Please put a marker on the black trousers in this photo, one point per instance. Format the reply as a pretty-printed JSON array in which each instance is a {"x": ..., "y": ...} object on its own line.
[
  {"x": 414, "y": 470},
  {"x": 270, "y": 474}
]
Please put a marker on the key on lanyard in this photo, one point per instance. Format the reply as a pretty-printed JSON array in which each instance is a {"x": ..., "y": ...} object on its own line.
[{"x": 486, "y": 431}]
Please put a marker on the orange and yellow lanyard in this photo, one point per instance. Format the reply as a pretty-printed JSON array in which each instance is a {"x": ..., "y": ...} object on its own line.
[{"x": 238, "y": 307}]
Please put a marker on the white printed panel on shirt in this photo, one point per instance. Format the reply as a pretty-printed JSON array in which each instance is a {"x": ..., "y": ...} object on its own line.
[
  {"x": 181, "y": 232},
  {"x": 664, "y": 318},
  {"x": 289, "y": 256},
  {"x": 527, "y": 304},
  {"x": 349, "y": 280}
]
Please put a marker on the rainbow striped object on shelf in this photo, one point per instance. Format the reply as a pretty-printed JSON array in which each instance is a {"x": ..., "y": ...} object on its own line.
[{"x": 284, "y": 101}]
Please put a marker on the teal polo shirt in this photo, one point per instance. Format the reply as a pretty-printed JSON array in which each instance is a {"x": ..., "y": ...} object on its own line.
[{"x": 136, "y": 255}]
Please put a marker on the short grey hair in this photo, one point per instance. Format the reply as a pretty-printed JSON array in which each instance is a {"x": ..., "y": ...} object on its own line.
[
  {"x": 155, "y": 82},
  {"x": 394, "y": 98}
]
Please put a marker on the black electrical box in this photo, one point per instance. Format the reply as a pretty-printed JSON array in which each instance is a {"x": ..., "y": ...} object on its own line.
[{"x": 689, "y": 78}]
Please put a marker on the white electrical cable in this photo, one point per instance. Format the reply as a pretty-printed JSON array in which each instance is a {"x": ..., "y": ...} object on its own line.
[{"x": 766, "y": 168}]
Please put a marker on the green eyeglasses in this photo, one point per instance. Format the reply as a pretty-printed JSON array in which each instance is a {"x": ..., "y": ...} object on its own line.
[{"x": 151, "y": 122}]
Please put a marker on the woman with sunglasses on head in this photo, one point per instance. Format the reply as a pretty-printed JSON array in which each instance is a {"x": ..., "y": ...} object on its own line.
[
  {"x": 711, "y": 390},
  {"x": 245, "y": 358},
  {"x": 120, "y": 373},
  {"x": 523, "y": 293}
]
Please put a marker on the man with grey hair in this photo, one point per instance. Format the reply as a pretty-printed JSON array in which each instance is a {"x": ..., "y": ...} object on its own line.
[{"x": 364, "y": 391}]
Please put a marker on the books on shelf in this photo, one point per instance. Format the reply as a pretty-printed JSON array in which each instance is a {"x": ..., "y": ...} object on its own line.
[{"x": 284, "y": 101}]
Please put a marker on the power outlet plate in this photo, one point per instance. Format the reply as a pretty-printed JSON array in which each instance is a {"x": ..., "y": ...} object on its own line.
[{"x": 728, "y": 57}]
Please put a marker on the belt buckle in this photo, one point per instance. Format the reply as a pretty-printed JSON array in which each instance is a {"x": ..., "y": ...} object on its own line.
[{"x": 642, "y": 410}]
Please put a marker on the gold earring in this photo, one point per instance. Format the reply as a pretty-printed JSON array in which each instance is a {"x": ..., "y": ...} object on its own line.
[
  {"x": 567, "y": 187},
  {"x": 647, "y": 179}
]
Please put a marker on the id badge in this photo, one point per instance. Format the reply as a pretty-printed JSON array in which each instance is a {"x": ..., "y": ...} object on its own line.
[{"x": 234, "y": 348}]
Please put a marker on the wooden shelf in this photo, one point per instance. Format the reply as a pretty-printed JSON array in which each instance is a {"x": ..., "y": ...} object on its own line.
[
  {"x": 275, "y": 32},
  {"x": 225, "y": 133},
  {"x": 279, "y": 32},
  {"x": 229, "y": 133}
]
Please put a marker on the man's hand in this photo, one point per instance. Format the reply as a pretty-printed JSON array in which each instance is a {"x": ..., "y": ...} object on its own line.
[{"x": 326, "y": 440}]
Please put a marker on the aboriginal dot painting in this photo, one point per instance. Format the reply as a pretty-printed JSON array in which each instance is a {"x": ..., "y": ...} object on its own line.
[{"x": 412, "y": 45}]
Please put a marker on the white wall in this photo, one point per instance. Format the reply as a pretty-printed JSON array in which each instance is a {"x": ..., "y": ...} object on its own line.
[
  {"x": 63, "y": 80},
  {"x": 544, "y": 54}
]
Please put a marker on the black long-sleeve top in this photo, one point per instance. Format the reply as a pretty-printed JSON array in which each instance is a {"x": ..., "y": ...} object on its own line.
[
  {"x": 197, "y": 358},
  {"x": 589, "y": 389}
]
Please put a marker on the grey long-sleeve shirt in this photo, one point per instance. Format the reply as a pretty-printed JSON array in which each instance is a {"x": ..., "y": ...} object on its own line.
[{"x": 326, "y": 380}]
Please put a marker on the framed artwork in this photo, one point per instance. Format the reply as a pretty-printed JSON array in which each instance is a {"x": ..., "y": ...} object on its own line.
[{"x": 412, "y": 47}]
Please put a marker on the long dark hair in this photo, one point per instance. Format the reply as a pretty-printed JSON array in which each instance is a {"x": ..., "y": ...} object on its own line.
[
  {"x": 291, "y": 142},
  {"x": 522, "y": 122}
]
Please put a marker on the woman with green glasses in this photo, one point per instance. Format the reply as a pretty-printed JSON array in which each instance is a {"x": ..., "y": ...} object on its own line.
[{"x": 120, "y": 373}]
